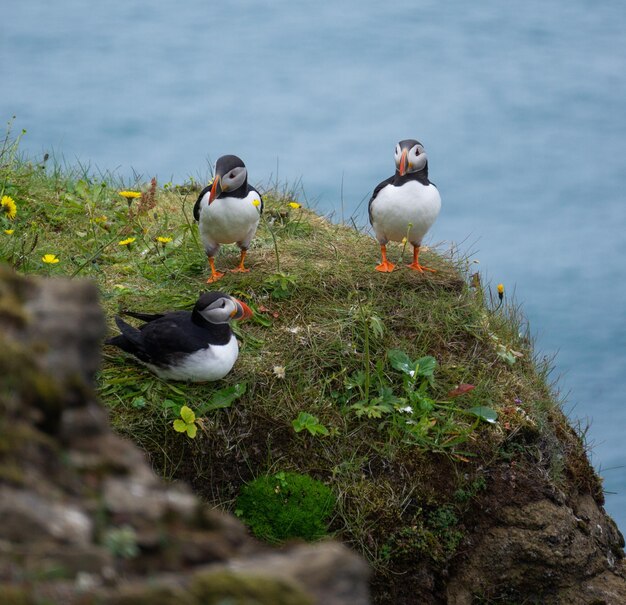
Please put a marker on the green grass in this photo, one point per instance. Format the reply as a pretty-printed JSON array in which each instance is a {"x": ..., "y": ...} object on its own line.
[{"x": 325, "y": 317}]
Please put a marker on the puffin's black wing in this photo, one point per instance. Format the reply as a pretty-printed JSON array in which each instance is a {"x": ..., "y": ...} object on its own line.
[
  {"x": 171, "y": 336},
  {"x": 129, "y": 340},
  {"x": 196, "y": 206},
  {"x": 376, "y": 192},
  {"x": 251, "y": 188},
  {"x": 161, "y": 340},
  {"x": 143, "y": 316}
]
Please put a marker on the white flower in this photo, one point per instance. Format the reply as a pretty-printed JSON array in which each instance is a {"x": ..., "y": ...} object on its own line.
[
  {"x": 407, "y": 409},
  {"x": 279, "y": 371}
]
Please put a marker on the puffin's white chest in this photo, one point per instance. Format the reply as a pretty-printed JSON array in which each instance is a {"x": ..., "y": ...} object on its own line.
[
  {"x": 211, "y": 363},
  {"x": 229, "y": 219},
  {"x": 406, "y": 211}
]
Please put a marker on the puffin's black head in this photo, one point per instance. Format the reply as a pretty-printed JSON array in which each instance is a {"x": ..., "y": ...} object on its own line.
[
  {"x": 220, "y": 308},
  {"x": 410, "y": 157},
  {"x": 230, "y": 174}
]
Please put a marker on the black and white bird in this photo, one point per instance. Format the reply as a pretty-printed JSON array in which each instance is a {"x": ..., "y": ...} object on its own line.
[
  {"x": 228, "y": 211},
  {"x": 195, "y": 346},
  {"x": 405, "y": 205}
]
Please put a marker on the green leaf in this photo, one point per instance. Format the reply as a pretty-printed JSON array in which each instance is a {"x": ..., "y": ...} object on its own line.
[
  {"x": 310, "y": 423},
  {"x": 401, "y": 361},
  {"x": 506, "y": 355},
  {"x": 426, "y": 366},
  {"x": 484, "y": 413},
  {"x": 377, "y": 326},
  {"x": 180, "y": 425},
  {"x": 174, "y": 388},
  {"x": 371, "y": 409},
  {"x": 356, "y": 380},
  {"x": 187, "y": 415},
  {"x": 261, "y": 319},
  {"x": 301, "y": 422},
  {"x": 192, "y": 429},
  {"x": 386, "y": 396},
  {"x": 223, "y": 398}
]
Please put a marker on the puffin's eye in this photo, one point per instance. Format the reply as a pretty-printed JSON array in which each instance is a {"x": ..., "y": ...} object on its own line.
[{"x": 223, "y": 304}]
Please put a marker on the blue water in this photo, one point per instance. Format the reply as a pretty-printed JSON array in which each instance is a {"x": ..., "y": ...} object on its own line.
[{"x": 522, "y": 109}]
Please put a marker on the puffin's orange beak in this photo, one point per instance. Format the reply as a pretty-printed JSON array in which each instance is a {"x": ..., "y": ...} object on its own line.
[
  {"x": 216, "y": 189},
  {"x": 403, "y": 163},
  {"x": 243, "y": 310}
]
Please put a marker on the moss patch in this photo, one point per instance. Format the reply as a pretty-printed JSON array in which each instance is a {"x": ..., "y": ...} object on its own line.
[
  {"x": 286, "y": 505},
  {"x": 218, "y": 587}
]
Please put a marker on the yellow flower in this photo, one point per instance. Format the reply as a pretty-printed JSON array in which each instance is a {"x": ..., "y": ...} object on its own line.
[
  {"x": 404, "y": 240},
  {"x": 127, "y": 241},
  {"x": 129, "y": 195},
  {"x": 9, "y": 231},
  {"x": 163, "y": 240},
  {"x": 294, "y": 205},
  {"x": 50, "y": 259},
  {"x": 256, "y": 203},
  {"x": 9, "y": 206},
  {"x": 500, "y": 291}
]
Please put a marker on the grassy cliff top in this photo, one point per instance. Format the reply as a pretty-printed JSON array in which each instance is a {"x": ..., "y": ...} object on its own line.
[{"x": 344, "y": 373}]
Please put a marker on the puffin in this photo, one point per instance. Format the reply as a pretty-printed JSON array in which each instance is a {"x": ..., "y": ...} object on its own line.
[
  {"x": 405, "y": 205},
  {"x": 193, "y": 346},
  {"x": 228, "y": 211}
]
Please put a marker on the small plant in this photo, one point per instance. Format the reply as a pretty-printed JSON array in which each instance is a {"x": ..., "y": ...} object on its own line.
[
  {"x": 286, "y": 505},
  {"x": 505, "y": 352},
  {"x": 280, "y": 285},
  {"x": 468, "y": 492},
  {"x": 122, "y": 542},
  {"x": 413, "y": 415},
  {"x": 310, "y": 423},
  {"x": 436, "y": 535},
  {"x": 223, "y": 398},
  {"x": 186, "y": 423}
]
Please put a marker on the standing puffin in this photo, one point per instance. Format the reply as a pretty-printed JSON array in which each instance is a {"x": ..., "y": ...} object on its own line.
[
  {"x": 228, "y": 211},
  {"x": 180, "y": 345},
  {"x": 405, "y": 205}
]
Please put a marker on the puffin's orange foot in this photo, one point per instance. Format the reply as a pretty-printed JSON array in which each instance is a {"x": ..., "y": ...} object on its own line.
[
  {"x": 420, "y": 268},
  {"x": 385, "y": 267},
  {"x": 240, "y": 270},
  {"x": 217, "y": 275}
]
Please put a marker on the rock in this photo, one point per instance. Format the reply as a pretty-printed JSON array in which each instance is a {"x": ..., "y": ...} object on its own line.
[
  {"x": 546, "y": 553},
  {"x": 330, "y": 573},
  {"x": 81, "y": 509},
  {"x": 28, "y": 518}
]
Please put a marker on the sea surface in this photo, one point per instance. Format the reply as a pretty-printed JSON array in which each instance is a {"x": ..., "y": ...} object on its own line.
[{"x": 521, "y": 108}]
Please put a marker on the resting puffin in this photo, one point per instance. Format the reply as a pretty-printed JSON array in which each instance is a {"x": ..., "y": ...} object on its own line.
[
  {"x": 180, "y": 345},
  {"x": 406, "y": 204},
  {"x": 228, "y": 211}
]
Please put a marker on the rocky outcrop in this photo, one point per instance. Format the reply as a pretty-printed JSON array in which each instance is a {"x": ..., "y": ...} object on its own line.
[
  {"x": 84, "y": 518},
  {"x": 554, "y": 549}
]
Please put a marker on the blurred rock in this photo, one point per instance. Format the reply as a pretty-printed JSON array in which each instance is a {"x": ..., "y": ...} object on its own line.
[{"x": 84, "y": 518}]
